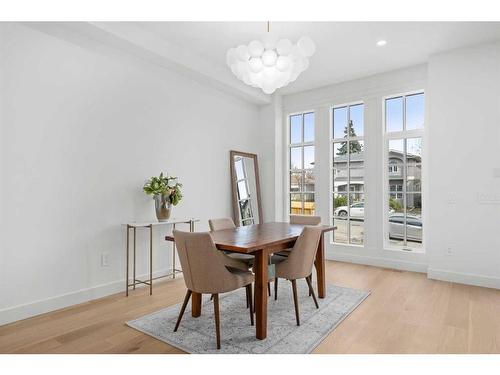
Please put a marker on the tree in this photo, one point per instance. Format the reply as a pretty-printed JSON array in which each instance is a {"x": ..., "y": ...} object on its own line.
[
  {"x": 340, "y": 200},
  {"x": 354, "y": 146},
  {"x": 395, "y": 204}
]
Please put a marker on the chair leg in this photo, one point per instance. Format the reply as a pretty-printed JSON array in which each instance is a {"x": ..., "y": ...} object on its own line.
[
  {"x": 311, "y": 291},
  {"x": 295, "y": 301},
  {"x": 183, "y": 308},
  {"x": 217, "y": 320},
  {"x": 275, "y": 288},
  {"x": 249, "y": 301},
  {"x": 269, "y": 288},
  {"x": 310, "y": 280}
]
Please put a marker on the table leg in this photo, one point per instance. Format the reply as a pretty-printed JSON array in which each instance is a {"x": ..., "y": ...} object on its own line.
[
  {"x": 135, "y": 242},
  {"x": 150, "y": 260},
  {"x": 320, "y": 268},
  {"x": 261, "y": 276},
  {"x": 173, "y": 258},
  {"x": 126, "y": 265},
  {"x": 195, "y": 304}
]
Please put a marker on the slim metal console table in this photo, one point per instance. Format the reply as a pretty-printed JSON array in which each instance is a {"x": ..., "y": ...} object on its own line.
[{"x": 149, "y": 225}]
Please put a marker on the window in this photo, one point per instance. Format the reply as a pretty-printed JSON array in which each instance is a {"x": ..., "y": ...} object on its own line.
[
  {"x": 348, "y": 174},
  {"x": 404, "y": 124},
  {"x": 301, "y": 164},
  {"x": 244, "y": 197}
]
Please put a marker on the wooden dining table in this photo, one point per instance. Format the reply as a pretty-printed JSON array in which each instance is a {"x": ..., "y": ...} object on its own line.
[{"x": 261, "y": 241}]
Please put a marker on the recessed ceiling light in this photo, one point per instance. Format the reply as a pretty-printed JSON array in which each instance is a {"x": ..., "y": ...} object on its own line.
[{"x": 381, "y": 43}]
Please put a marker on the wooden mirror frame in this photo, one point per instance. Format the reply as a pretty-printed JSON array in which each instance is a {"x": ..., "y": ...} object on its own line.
[{"x": 236, "y": 213}]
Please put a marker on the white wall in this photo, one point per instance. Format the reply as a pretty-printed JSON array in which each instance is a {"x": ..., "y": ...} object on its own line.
[
  {"x": 464, "y": 135},
  {"x": 270, "y": 161},
  {"x": 81, "y": 130}
]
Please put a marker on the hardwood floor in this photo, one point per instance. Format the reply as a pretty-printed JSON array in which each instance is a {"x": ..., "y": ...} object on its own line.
[{"x": 406, "y": 313}]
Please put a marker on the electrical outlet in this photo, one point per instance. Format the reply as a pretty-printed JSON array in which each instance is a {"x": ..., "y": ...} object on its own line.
[
  {"x": 449, "y": 250},
  {"x": 105, "y": 259},
  {"x": 488, "y": 198},
  {"x": 452, "y": 197}
]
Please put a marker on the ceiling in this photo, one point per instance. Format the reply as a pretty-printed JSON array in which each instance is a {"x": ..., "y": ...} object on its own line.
[{"x": 345, "y": 50}]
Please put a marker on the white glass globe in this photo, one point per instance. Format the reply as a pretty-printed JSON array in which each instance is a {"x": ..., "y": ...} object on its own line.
[
  {"x": 284, "y": 47},
  {"x": 269, "y": 41},
  {"x": 296, "y": 53},
  {"x": 269, "y": 57},
  {"x": 257, "y": 78},
  {"x": 307, "y": 46},
  {"x": 255, "y": 64},
  {"x": 283, "y": 63},
  {"x": 256, "y": 48},
  {"x": 241, "y": 69},
  {"x": 268, "y": 88},
  {"x": 242, "y": 53}
]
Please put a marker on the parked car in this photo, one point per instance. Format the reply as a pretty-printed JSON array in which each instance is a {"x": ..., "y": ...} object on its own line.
[
  {"x": 413, "y": 228},
  {"x": 357, "y": 210}
]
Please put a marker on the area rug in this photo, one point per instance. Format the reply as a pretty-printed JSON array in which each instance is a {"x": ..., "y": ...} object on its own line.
[{"x": 197, "y": 335}]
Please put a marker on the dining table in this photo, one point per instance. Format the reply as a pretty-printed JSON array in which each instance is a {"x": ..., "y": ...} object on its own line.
[{"x": 261, "y": 241}]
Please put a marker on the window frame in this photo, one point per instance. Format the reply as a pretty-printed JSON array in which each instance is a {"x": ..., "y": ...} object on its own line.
[
  {"x": 402, "y": 135},
  {"x": 332, "y": 171},
  {"x": 302, "y": 145}
]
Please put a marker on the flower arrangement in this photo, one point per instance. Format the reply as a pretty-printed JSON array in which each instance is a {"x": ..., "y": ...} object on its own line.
[{"x": 166, "y": 186}]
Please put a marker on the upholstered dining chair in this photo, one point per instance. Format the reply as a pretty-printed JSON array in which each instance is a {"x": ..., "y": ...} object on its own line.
[
  {"x": 302, "y": 220},
  {"x": 205, "y": 272},
  {"x": 298, "y": 265},
  {"x": 227, "y": 223},
  {"x": 247, "y": 259},
  {"x": 305, "y": 219}
]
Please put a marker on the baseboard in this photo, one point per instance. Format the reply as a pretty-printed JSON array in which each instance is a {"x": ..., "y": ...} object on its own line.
[
  {"x": 20, "y": 312},
  {"x": 464, "y": 278},
  {"x": 377, "y": 261},
  {"x": 432, "y": 273}
]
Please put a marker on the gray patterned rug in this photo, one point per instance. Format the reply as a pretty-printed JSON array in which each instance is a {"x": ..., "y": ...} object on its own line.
[{"x": 197, "y": 335}]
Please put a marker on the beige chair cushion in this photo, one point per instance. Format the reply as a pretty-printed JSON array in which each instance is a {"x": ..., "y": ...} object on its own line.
[{"x": 204, "y": 266}]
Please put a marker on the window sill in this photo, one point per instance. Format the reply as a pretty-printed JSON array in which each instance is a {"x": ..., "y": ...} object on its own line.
[
  {"x": 405, "y": 250},
  {"x": 347, "y": 244}
]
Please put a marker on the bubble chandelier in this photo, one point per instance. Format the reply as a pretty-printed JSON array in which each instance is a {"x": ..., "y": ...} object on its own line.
[{"x": 270, "y": 63}]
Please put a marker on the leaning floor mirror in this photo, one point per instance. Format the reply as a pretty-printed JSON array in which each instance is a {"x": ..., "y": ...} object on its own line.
[{"x": 247, "y": 207}]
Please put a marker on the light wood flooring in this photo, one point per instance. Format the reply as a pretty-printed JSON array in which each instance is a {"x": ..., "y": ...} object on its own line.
[{"x": 406, "y": 313}]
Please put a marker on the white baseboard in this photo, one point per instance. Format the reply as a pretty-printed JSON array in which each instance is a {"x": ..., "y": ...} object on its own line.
[
  {"x": 464, "y": 278},
  {"x": 20, "y": 312},
  {"x": 377, "y": 261},
  {"x": 432, "y": 273}
]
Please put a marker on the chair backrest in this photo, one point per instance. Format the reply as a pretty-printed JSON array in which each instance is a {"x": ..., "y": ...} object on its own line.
[
  {"x": 202, "y": 264},
  {"x": 222, "y": 223},
  {"x": 305, "y": 219},
  {"x": 300, "y": 261}
]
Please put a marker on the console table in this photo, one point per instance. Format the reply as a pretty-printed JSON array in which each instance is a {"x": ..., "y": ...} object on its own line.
[{"x": 149, "y": 225}]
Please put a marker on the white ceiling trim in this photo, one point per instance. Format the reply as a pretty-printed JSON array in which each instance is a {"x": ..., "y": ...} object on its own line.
[{"x": 153, "y": 48}]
